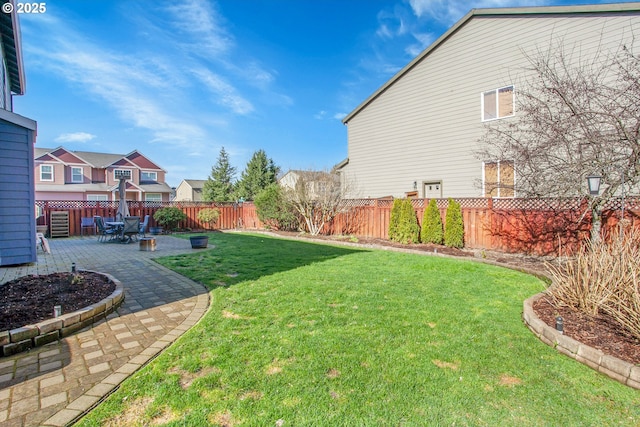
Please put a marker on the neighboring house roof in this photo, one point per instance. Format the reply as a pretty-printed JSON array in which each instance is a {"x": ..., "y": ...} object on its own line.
[
  {"x": 342, "y": 164},
  {"x": 291, "y": 177},
  {"x": 160, "y": 187},
  {"x": 74, "y": 188},
  {"x": 547, "y": 10},
  {"x": 196, "y": 184},
  {"x": 97, "y": 160},
  {"x": 88, "y": 188},
  {"x": 12, "y": 51}
]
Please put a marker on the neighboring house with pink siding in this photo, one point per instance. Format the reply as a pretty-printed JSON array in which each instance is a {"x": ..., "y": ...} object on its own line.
[{"x": 62, "y": 174}]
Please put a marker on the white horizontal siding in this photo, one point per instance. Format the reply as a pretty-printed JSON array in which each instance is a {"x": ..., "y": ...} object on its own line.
[{"x": 426, "y": 125}]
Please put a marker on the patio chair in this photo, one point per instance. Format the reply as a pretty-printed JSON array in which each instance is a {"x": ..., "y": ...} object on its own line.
[
  {"x": 103, "y": 231},
  {"x": 143, "y": 226},
  {"x": 87, "y": 223},
  {"x": 131, "y": 228}
]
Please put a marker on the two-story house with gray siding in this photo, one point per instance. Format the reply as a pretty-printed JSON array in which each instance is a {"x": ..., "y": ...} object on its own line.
[
  {"x": 17, "y": 138},
  {"x": 417, "y": 135},
  {"x": 62, "y": 174}
]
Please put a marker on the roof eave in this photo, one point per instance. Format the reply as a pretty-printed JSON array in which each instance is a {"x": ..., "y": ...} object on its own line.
[{"x": 12, "y": 47}]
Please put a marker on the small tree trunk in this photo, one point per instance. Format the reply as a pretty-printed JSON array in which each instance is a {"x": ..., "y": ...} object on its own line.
[{"x": 596, "y": 223}]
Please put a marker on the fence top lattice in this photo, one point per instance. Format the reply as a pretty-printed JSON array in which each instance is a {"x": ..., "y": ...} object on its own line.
[{"x": 79, "y": 204}]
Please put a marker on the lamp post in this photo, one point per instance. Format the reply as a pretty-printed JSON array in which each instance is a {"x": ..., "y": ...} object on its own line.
[{"x": 593, "y": 181}]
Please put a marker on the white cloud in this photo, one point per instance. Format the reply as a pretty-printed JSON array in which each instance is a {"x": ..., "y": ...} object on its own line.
[
  {"x": 135, "y": 86},
  {"x": 339, "y": 116},
  {"x": 75, "y": 137},
  {"x": 226, "y": 94},
  {"x": 450, "y": 11},
  {"x": 204, "y": 26}
]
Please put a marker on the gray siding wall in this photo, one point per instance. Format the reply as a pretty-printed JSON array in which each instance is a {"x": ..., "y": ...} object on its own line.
[
  {"x": 426, "y": 125},
  {"x": 17, "y": 202}
]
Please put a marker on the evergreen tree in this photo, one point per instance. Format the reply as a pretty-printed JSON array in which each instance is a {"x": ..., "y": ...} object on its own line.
[
  {"x": 219, "y": 185},
  {"x": 408, "y": 228},
  {"x": 454, "y": 228},
  {"x": 394, "y": 219},
  {"x": 258, "y": 175},
  {"x": 432, "y": 224}
]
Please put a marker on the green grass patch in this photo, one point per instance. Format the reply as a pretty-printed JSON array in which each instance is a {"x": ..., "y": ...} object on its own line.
[{"x": 302, "y": 334}]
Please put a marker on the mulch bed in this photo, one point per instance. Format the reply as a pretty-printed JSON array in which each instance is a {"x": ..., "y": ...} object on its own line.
[
  {"x": 599, "y": 332},
  {"x": 31, "y": 299}
]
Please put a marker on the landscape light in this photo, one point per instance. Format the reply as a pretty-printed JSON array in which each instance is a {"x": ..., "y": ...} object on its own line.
[{"x": 594, "y": 184}]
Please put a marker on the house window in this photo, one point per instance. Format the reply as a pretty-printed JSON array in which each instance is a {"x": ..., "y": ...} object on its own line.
[
  {"x": 46, "y": 172},
  {"x": 97, "y": 197},
  {"x": 125, "y": 173},
  {"x": 148, "y": 176},
  {"x": 498, "y": 103},
  {"x": 499, "y": 179},
  {"x": 76, "y": 175},
  {"x": 152, "y": 197}
]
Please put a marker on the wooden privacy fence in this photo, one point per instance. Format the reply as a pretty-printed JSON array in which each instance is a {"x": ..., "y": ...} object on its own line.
[
  {"x": 229, "y": 212},
  {"x": 536, "y": 226},
  {"x": 532, "y": 226}
]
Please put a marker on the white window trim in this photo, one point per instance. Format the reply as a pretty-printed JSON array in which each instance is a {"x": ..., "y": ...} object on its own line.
[
  {"x": 153, "y": 173},
  {"x": 484, "y": 182},
  {"x": 118, "y": 179},
  {"x": 81, "y": 174},
  {"x": 41, "y": 173},
  {"x": 146, "y": 197},
  {"x": 497, "y": 91},
  {"x": 97, "y": 197}
]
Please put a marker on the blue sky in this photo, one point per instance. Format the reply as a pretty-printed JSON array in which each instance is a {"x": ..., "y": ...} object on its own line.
[{"x": 179, "y": 80}]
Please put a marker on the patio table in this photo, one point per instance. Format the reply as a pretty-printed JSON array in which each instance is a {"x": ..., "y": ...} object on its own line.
[{"x": 118, "y": 226}]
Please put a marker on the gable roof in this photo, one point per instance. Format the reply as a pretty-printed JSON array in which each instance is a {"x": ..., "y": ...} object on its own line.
[
  {"x": 101, "y": 160},
  {"x": 196, "y": 184},
  {"x": 498, "y": 12}
]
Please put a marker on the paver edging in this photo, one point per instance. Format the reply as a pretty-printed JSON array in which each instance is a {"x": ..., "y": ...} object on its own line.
[
  {"x": 617, "y": 369},
  {"x": 27, "y": 337},
  {"x": 113, "y": 382}
]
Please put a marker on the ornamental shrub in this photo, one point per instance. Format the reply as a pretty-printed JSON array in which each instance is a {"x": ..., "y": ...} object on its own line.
[
  {"x": 274, "y": 210},
  {"x": 432, "y": 224},
  {"x": 169, "y": 217},
  {"x": 394, "y": 219},
  {"x": 209, "y": 217},
  {"x": 408, "y": 228},
  {"x": 454, "y": 228}
]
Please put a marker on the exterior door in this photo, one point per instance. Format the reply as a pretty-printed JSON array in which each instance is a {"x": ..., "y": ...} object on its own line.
[{"x": 433, "y": 190}]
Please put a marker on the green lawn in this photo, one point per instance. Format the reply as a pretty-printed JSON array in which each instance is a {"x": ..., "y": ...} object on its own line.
[{"x": 301, "y": 334}]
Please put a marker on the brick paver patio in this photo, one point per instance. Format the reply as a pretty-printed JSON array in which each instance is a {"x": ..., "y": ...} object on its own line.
[{"x": 56, "y": 384}]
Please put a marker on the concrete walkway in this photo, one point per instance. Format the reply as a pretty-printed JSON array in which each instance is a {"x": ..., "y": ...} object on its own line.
[{"x": 56, "y": 384}]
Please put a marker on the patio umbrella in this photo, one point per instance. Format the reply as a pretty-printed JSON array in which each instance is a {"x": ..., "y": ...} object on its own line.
[{"x": 123, "y": 209}]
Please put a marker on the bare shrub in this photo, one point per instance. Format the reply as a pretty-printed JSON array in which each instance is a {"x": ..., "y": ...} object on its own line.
[{"x": 603, "y": 278}]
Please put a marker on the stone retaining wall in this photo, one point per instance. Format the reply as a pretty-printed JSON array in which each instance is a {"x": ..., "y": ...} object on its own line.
[
  {"x": 619, "y": 370},
  {"x": 24, "y": 338}
]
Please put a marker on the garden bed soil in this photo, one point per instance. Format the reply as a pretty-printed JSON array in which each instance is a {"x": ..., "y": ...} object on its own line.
[{"x": 31, "y": 299}]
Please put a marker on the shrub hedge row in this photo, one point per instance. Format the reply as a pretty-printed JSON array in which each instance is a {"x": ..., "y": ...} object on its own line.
[{"x": 404, "y": 227}]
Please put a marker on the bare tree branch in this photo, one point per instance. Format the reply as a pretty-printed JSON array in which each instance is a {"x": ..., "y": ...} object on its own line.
[{"x": 576, "y": 115}]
